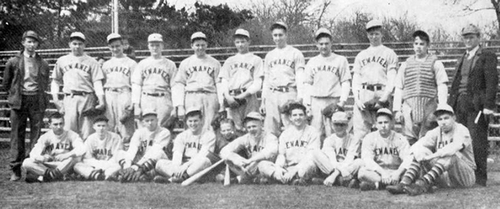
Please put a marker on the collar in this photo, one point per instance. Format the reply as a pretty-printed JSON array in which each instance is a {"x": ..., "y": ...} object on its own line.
[
  {"x": 472, "y": 52},
  {"x": 25, "y": 54}
]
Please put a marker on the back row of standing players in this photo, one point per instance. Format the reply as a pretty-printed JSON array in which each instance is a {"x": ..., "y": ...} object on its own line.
[{"x": 156, "y": 87}]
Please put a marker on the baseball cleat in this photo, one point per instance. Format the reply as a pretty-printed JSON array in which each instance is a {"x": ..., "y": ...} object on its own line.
[
  {"x": 15, "y": 177},
  {"x": 396, "y": 189},
  {"x": 317, "y": 181},
  {"x": 353, "y": 184},
  {"x": 161, "y": 179},
  {"x": 366, "y": 186},
  {"x": 299, "y": 182}
]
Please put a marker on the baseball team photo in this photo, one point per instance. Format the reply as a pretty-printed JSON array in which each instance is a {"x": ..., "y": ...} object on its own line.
[{"x": 249, "y": 104}]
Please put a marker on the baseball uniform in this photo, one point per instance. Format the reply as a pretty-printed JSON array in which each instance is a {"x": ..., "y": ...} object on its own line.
[
  {"x": 371, "y": 66},
  {"x": 264, "y": 146},
  {"x": 101, "y": 154},
  {"x": 146, "y": 145},
  {"x": 77, "y": 74},
  {"x": 339, "y": 153},
  {"x": 293, "y": 149},
  {"x": 282, "y": 78},
  {"x": 189, "y": 150},
  {"x": 52, "y": 145},
  {"x": 240, "y": 71},
  {"x": 197, "y": 77},
  {"x": 326, "y": 75},
  {"x": 418, "y": 82},
  {"x": 384, "y": 154},
  {"x": 117, "y": 86},
  {"x": 458, "y": 166},
  {"x": 155, "y": 78}
]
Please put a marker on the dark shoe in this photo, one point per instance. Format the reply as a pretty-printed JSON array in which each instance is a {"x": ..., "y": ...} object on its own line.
[
  {"x": 15, "y": 177},
  {"x": 299, "y": 182},
  {"x": 417, "y": 188},
  {"x": 317, "y": 181},
  {"x": 366, "y": 186},
  {"x": 260, "y": 180},
  {"x": 353, "y": 184},
  {"x": 344, "y": 181},
  {"x": 396, "y": 189},
  {"x": 32, "y": 178}
]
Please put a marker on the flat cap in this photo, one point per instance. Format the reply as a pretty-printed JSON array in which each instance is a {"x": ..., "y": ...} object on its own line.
[
  {"x": 242, "y": 32},
  {"x": 149, "y": 112},
  {"x": 77, "y": 35},
  {"x": 31, "y": 34},
  {"x": 113, "y": 36},
  {"x": 253, "y": 116},
  {"x": 192, "y": 110},
  {"x": 198, "y": 35},
  {"x": 384, "y": 111},
  {"x": 340, "y": 117},
  {"x": 470, "y": 29},
  {"x": 443, "y": 108},
  {"x": 279, "y": 24},
  {"x": 155, "y": 37},
  {"x": 322, "y": 31},
  {"x": 373, "y": 24}
]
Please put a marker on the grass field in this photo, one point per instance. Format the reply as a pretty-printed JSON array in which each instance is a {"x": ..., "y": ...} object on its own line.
[{"x": 78, "y": 194}]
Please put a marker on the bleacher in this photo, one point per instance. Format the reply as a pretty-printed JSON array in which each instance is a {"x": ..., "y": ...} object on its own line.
[{"x": 448, "y": 53}]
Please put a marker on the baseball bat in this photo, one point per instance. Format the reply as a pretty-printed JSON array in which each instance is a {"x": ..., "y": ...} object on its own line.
[
  {"x": 198, "y": 175},
  {"x": 227, "y": 176}
]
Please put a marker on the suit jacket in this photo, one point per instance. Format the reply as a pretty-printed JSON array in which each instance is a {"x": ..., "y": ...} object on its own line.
[
  {"x": 14, "y": 76},
  {"x": 482, "y": 82}
]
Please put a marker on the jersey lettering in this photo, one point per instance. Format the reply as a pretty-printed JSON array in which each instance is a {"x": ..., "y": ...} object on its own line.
[
  {"x": 386, "y": 151},
  {"x": 117, "y": 69},
  {"x": 246, "y": 66},
  {"x": 441, "y": 144},
  {"x": 102, "y": 153},
  {"x": 157, "y": 71},
  {"x": 341, "y": 152},
  {"x": 288, "y": 63},
  {"x": 296, "y": 143},
  {"x": 207, "y": 69},
  {"x": 374, "y": 59},
  {"x": 327, "y": 68},
  {"x": 195, "y": 145},
  {"x": 77, "y": 66},
  {"x": 256, "y": 148}
]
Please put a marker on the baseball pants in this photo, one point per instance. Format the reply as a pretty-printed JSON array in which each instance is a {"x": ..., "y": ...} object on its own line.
[
  {"x": 207, "y": 102},
  {"x": 319, "y": 121},
  {"x": 74, "y": 105},
  {"x": 116, "y": 102},
  {"x": 369, "y": 175},
  {"x": 326, "y": 166},
  {"x": 457, "y": 172},
  {"x": 466, "y": 114},
  {"x": 110, "y": 168},
  {"x": 139, "y": 159},
  {"x": 364, "y": 120},
  {"x": 162, "y": 105},
  {"x": 30, "y": 109},
  {"x": 274, "y": 119},
  {"x": 39, "y": 168},
  {"x": 166, "y": 167},
  {"x": 239, "y": 113},
  {"x": 305, "y": 169},
  {"x": 418, "y": 117}
]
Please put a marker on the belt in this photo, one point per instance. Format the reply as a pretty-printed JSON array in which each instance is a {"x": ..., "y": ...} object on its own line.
[
  {"x": 282, "y": 88},
  {"x": 199, "y": 92},
  {"x": 374, "y": 87},
  {"x": 160, "y": 94},
  {"x": 119, "y": 90},
  {"x": 78, "y": 93},
  {"x": 235, "y": 92}
]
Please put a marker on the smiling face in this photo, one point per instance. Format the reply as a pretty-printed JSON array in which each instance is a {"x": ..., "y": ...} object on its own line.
[
  {"x": 298, "y": 117},
  {"x": 254, "y": 127},
  {"x": 200, "y": 47},
  {"x": 227, "y": 130},
  {"x": 375, "y": 36},
  {"x": 194, "y": 123},
  {"x": 116, "y": 47},
  {"x": 324, "y": 45},
  {"x": 77, "y": 46},
  {"x": 279, "y": 37},
  {"x": 30, "y": 44}
]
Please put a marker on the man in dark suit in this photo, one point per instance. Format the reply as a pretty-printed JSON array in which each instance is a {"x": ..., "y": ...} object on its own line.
[{"x": 473, "y": 93}]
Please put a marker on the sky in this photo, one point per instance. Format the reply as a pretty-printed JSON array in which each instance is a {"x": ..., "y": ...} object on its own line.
[{"x": 429, "y": 14}]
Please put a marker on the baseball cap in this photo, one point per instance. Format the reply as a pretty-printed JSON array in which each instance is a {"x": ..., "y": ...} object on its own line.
[
  {"x": 340, "y": 117},
  {"x": 470, "y": 29},
  {"x": 322, "y": 31},
  {"x": 443, "y": 108},
  {"x": 101, "y": 118},
  {"x": 384, "y": 111},
  {"x": 198, "y": 35},
  {"x": 420, "y": 33},
  {"x": 31, "y": 34},
  {"x": 193, "y": 110},
  {"x": 155, "y": 37},
  {"x": 253, "y": 116},
  {"x": 113, "y": 36},
  {"x": 242, "y": 32},
  {"x": 77, "y": 35},
  {"x": 373, "y": 24},
  {"x": 279, "y": 24},
  {"x": 148, "y": 113}
]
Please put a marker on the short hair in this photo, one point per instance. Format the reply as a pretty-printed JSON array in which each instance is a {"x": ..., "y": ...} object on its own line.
[
  {"x": 227, "y": 121},
  {"x": 294, "y": 106},
  {"x": 55, "y": 115},
  {"x": 194, "y": 113},
  {"x": 384, "y": 114},
  {"x": 246, "y": 120},
  {"x": 422, "y": 35}
]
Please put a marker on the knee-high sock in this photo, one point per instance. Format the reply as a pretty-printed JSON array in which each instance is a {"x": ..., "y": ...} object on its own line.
[
  {"x": 433, "y": 174},
  {"x": 412, "y": 173}
]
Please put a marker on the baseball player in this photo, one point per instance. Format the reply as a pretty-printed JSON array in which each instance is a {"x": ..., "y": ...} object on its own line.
[
  {"x": 195, "y": 83},
  {"x": 145, "y": 150},
  {"x": 55, "y": 153},
  {"x": 283, "y": 67},
  {"x": 328, "y": 78},
  {"x": 152, "y": 81},
  {"x": 444, "y": 156},
  {"x": 117, "y": 88},
  {"x": 241, "y": 78},
  {"x": 191, "y": 148},
  {"x": 257, "y": 145},
  {"x": 419, "y": 80},
  {"x": 384, "y": 153},
  {"x": 373, "y": 80},
  {"x": 295, "y": 143},
  {"x": 82, "y": 78},
  {"x": 338, "y": 154},
  {"x": 100, "y": 159}
]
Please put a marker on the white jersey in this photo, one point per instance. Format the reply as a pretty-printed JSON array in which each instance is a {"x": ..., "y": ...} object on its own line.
[
  {"x": 340, "y": 148},
  {"x": 240, "y": 70},
  {"x": 190, "y": 144},
  {"x": 281, "y": 65},
  {"x": 198, "y": 74},
  {"x": 77, "y": 73},
  {"x": 294, "y": 144},
  {"x": 154, "y": 75},
  {"x": 144, "y": 140},
  {"x": 103, "y": 149},
  {"x": 118, "y": 72},
  {"x": 388, "y": 152},
  {"x": 326, "y": 74},
  {"x": 372, "y": 64},
  {"x": 265, "y": 143},
  {"x": 51, "y": 144}
]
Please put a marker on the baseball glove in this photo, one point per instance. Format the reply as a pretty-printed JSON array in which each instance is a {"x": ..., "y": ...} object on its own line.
[
  {"x": 92, "y": 112},
  {"x": 128, "y": 113},
  {"x": 330, "y": 109},
  {"x": 236, "y": 104}
]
